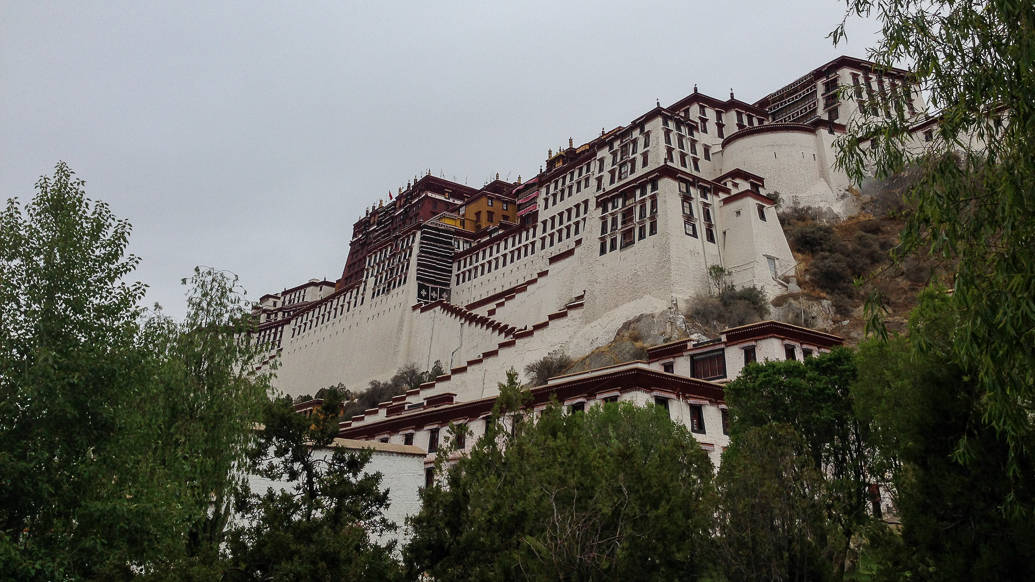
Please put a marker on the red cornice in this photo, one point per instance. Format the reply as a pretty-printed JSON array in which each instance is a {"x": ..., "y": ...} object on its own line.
[
  {"x": 748, "y": 194},
  {"x": 589, "y": 386},
  {"x": 667, "y": 350},
  {"x": 770, "y": 128},
  {"x": 741, "y": 173},
  {"x": 766, "y": 329},
  {"x": 716, "y": 103}
]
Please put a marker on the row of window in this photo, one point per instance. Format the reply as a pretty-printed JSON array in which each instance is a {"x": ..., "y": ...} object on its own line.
[
  {"x": 509, "y": 250},
  {"x": 327, "y": 311},
  {"x": 498, "y": 262},
  {"x": 627, "y": 238},
  {"x": 697, "y": 424},
  {"x": 270, "y": 338}
]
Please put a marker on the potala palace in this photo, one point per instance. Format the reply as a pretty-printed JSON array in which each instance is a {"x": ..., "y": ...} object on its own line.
[{"x": 628, "y": 223}]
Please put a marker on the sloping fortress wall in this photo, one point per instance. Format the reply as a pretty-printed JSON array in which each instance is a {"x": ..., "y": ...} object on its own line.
[{"x": 630, "y": 222}]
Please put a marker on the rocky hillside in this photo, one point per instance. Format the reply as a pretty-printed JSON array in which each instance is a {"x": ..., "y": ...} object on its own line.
[{"x": 841, "y": 262}]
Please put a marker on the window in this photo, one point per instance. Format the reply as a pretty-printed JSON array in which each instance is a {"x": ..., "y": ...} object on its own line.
[
  {"x": 489, "y": 201},
  {"x": 761, "y": 212},
  {"x": 725, "y": 420},
  {"x": 706, "y": 212},
  {"x": 749, "y": 355},
  {"x": 461, "y": 436},
  {"x": 707, "y": 152},
  {"x": 929, "y": 135},
  {"x": 653, "y": 227},
  {"x": 709, "y": 234},
  {"x": 772, "y": 266},
  {"x": 643, "y": 231},
  {"x": 697, "y": 419},
  {"x": 806, "y": 352},
  {"x": 789, "y": 352},
  {"x": 708, "y": 366},
  {"x": 429, "y": 477},
  {"x": 690, "y": 228},
  {"x": 661, "y": 402},
  {"x": 577, "y": 407},
  {"x": 408, "y": 438},
  {"x": 611, "y": 399},
  {"x": 603, "y": 247},
  {"x": 433, "y": 440},
  {"x": 668, "y": 367}
]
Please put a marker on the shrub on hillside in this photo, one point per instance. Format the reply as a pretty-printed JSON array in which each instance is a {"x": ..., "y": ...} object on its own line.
[
  {"x": 811, "y": 238},
  {"x": 832, "y": 273},
  {"x": 732, "y": 307},
  {"x": 865, "y": 251},
  {"x": 550, "y": 365}
]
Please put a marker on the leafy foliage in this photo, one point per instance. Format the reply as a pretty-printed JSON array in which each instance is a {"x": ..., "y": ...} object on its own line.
[
  {"x": 117, "y": 444},
  {"x": 79, "y": 495},
  {"x": 209, "y": 397},
  {"x": 405, "y": 378},
  {"x": 617, "y": 492},
  {"x": 550, "y": 365},
  {"x": 814, "y": 399},
  {"x": 973, "y": 194},
  {"x": 772, "y": 523},
  {"x": 325, "y": 523},
  {"x": 732, "y": 307},
  {"x": 921, "y": 403}
]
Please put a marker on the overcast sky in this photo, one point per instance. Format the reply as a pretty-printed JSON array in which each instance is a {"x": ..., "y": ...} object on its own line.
[{"x": 250, "y": 136}]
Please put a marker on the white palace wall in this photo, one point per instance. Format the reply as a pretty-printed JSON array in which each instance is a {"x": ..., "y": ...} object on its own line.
[
  {"x": 795, "y": 162},
  {"x": 373, "y": 340}
]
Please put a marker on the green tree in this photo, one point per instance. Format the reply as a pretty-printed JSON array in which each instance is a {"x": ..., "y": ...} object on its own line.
[
  {"x": 771, "y": 519},
  {"x": 325, "y": 522},
  {"x": 81, "y": 493},
  {"x": 208, "y": 396},
  {"x": 814, "y": 399},
  {"x": 973, "y": 198},
  {"x": 922, "y": 404},
  {"x": 120, "y": 433},
  {"x": 617, "y": 492}
]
